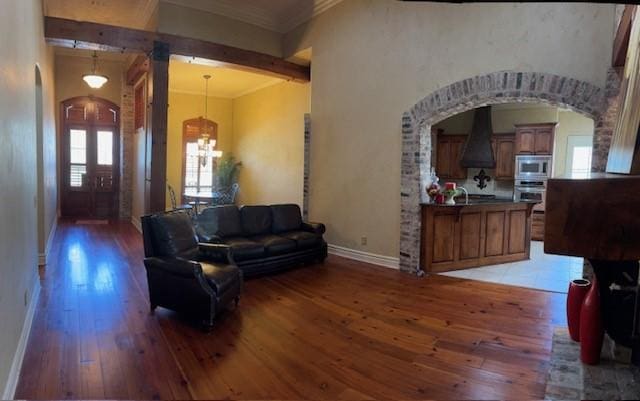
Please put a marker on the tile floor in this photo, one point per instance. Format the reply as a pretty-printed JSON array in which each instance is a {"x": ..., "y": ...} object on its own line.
[{"x": 542, "y": 271}]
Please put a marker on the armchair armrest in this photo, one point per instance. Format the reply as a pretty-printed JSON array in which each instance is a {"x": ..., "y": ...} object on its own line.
[
  {"x": 317, "y": 228},
  {"x": 177, "y": 266},
  {"x": 217, "y": 251}
]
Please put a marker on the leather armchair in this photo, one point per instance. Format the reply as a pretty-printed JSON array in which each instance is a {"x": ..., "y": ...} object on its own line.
[{"x": 184, "y": 275}]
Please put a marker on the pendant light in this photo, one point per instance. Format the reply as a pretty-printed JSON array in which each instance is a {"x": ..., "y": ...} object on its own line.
[
  {"x": 206, "y": 145},
  {"x": 95, "y": 80}
]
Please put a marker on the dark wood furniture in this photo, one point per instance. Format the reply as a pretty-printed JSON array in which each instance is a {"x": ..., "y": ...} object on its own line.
[
  {"x": 535, "y": 139},
  {"x": 503, "y": 146},
  {"x": 448, "y": 154},
  {"x": 464, "y": 236}
]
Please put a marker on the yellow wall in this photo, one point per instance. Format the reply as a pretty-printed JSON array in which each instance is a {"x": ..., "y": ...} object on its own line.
[
  {"x": 18, "y": 232},
  {"x": 268, "y": 138},
  {"x": 187, "y": 106},
  {"x": 503, "y": 118},
  {"x": 374, "y": 59}
]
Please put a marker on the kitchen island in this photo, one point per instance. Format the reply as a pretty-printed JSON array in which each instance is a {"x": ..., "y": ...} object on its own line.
[{"x": 477, "y": 233}]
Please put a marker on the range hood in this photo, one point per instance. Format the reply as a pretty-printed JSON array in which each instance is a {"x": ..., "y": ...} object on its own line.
[{"x": 477, "y": 150}]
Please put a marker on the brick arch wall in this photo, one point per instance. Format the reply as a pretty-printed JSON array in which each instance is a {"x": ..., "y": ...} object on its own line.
[{"x": 495, "y": 88}]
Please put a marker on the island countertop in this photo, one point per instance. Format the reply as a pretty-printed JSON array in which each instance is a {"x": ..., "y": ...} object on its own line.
[{"x": 482, "y": 232}]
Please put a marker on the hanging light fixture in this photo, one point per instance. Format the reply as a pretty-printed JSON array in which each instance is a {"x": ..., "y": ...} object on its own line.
[
  {"x": 94, "y": 80},
  {"x": 206, "y": 145}
]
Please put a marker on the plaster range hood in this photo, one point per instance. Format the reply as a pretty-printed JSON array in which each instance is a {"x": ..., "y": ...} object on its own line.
[{"x": 477, "y": 150}]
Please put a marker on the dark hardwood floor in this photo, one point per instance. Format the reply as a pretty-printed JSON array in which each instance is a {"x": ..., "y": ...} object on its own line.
[{"x": 342, "y": 330}]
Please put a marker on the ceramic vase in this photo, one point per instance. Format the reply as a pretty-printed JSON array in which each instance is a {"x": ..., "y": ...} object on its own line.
[
  {"x": 591, "y": 330},
  {"x": 575, "y": 297}
]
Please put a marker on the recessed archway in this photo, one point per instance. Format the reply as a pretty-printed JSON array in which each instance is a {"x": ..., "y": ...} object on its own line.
[{"x": 494, "y": 88}]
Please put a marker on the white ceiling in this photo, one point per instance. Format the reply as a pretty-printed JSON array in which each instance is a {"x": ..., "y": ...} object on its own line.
[
  {"x": 275, "y": 15},
  {"x": 126, "y": 13}
]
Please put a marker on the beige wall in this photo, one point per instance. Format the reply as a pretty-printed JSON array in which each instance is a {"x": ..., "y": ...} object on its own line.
[
  {"x": 198, "y": 24},
  {"x": 18, "y": 231},
  {"x": 268, "y": 137},
  {"x": 182, "y": 107},
  {"x": 69, "y": 83},
  {"x": 569, "y": 123},
  {"x": 374, "y": 59}
]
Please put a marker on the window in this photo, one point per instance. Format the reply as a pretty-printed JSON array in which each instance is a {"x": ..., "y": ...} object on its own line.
[
  {"x": 77, "y": 157},
  {"x": 196, "y": 177},
  {"x": 579, "y": 148},
  {"x": 105, "y": 148}
]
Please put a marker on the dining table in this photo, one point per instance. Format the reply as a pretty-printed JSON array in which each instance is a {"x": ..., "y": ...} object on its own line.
[{"x": 203, "y": 198}]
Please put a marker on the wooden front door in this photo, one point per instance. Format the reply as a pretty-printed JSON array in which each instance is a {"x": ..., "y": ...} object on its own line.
[{"x": 90, "y": 157}]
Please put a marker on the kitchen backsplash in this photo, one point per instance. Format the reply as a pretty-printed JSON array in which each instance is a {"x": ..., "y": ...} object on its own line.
[{"x": 501, "y": 189}]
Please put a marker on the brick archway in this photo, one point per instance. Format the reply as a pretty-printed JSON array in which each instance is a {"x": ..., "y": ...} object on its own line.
[{"x": 494, "y": 88}]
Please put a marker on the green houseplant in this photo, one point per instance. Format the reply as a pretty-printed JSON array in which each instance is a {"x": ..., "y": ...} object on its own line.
[{"x": 228, "y": 169}]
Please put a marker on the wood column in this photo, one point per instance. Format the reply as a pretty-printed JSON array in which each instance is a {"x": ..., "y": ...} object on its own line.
[{"x": 158, "y": 90}]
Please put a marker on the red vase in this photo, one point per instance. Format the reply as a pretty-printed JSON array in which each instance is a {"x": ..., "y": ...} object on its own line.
[
  {"x": 591, "y": 331},
  {"x": 577, "y": 291}
]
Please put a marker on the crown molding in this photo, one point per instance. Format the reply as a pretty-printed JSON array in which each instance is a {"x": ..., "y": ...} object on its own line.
[{"x": 272, "y": 19}]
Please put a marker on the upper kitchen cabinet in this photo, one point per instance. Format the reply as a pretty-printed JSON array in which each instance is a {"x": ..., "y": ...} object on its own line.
[
  {"x": 448, "y": 154},
  {"x": 504, "y": 152},
  {"x": 535, "y": 139}
]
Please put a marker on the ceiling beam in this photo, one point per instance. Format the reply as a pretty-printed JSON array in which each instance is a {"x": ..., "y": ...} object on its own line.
[
  {"x": 88, "y": 35},
  {"x": 621, "y": 41}
]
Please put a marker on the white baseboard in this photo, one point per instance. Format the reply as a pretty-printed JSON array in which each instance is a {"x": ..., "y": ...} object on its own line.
[
  {"x": 16, "y": 365},
  {"x": 136, "y": 223},
  {"x": 43, "y": 257},
  {"x": 374, "y": 259}
]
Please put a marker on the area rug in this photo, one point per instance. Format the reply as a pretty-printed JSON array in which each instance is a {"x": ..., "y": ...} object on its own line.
[
  {"x": 92, "y": 222},
  {"x": 570, "y": 379}
]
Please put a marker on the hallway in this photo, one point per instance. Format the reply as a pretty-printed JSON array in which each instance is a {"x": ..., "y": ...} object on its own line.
[{"x": 340, "y": 330}]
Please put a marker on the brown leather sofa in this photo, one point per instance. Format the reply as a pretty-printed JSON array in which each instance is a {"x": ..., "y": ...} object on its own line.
[
  {"x": 264, "y": 239},
  {"x": 185, "y": 275}
]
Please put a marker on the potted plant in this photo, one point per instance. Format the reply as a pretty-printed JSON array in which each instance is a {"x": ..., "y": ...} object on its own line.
[{"x": 228, "y": 169}]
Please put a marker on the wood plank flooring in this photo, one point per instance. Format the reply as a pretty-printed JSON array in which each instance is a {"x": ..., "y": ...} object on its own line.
[{"x": 342, "y": 330}]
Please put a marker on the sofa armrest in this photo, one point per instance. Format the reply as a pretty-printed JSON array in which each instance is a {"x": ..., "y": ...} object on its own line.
[
  {"x": 176, "y": 266},
  {"x": 317, "y": 228},
  {"x": 218, "y": 252}
]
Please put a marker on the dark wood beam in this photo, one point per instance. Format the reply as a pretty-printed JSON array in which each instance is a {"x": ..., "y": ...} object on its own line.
[
  {"x": 158, "y": 98},
  {"x": 139, "y": 67},
  {"x": 89, "y": 35},
  {"x": 621, "y": 41}
]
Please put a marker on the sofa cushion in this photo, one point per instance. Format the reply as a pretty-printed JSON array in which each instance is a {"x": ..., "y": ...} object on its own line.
[
  {"x": 303, "y": 239},
  {"x": 219, "y": 221},
  {"x": 221, "y": 277},
  {"x": 243, "y": 248},
  {"x": 275, "y": 244},
  {"x": 173, "y": 233},
  {"x": 285, "y": 218},
  {"x": 256, "y": 220}
]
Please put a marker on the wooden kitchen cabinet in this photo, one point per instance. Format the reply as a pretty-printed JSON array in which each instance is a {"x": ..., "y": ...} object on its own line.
[
  {"x": 464, "y": 236},
  {"x": 448, "y": 156},
  {"x": 505, "y": 156},
  {"x": 537, "y": 225},
  {"x": 535, "y": 139}
]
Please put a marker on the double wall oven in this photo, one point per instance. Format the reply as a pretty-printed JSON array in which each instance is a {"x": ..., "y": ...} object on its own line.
[{"x": 531, "y": 174}]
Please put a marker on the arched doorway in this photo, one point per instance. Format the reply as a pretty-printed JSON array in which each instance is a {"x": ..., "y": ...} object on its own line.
[
  {"x": 494, "y": 88},
  {"x": 90, "y": 157}
]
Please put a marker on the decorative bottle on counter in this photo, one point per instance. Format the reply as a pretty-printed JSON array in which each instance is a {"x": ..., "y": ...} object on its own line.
[{"x": 434, "y": 187}]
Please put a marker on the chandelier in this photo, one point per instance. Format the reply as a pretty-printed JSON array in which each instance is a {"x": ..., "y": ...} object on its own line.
[
  {"x": 94, "y": 80},
  {"x": 206, "y": 145}
]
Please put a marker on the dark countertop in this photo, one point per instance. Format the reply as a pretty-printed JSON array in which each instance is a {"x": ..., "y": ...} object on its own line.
[{"x": 481, "y": 202}]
